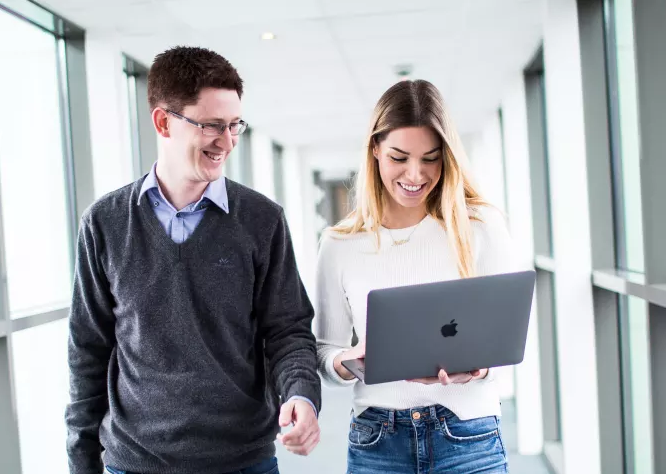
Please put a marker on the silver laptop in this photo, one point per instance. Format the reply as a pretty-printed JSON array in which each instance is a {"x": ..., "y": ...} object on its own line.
[{"x": 457, "y": 325}]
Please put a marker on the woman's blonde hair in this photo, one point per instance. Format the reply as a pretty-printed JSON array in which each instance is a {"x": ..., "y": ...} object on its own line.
[{"x": 415, "y": 104}]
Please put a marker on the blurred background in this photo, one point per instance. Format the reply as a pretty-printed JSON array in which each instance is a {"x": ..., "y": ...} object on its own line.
[{"x": 561, "y": 107}]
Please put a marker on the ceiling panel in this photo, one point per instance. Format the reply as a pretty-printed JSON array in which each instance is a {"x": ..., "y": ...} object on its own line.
[
  {"x": 371, "y": 7},
  {"x": 414, "y": 24},
  {"x": 209, "y": 14}
]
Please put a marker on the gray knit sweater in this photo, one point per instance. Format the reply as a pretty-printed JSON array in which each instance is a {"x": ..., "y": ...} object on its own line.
[{"x": 178, "y": 352}]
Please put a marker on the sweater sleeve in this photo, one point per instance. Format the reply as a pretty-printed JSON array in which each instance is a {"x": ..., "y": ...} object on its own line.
[
  {"x": 285, "y": 319},
  {"x": 333, "y": 324},
  {"x": 91, "y": 342}
]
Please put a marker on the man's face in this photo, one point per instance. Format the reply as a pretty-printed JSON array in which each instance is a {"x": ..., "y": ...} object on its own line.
[{"x": 191, "y": 154}]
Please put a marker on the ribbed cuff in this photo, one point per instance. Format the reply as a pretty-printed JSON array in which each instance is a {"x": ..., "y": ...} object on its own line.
[{"x": 333, "y": 375}]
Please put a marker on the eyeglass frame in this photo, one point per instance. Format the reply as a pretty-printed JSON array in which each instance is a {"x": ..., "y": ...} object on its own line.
[{"x": 221, "y": 127}]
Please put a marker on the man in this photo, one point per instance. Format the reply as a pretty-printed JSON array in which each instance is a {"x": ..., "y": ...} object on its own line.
[{"x": 187, "y": 307}]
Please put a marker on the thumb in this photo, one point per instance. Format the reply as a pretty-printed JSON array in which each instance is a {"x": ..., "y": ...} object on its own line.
[{"x": 286, "y": 413}]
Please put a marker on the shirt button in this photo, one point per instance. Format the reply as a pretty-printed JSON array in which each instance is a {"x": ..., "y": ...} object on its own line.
[
  {"x": 156, "y": 203},
  {"x": 177, "y": 214},
  {"x": 416, "y": 415}
]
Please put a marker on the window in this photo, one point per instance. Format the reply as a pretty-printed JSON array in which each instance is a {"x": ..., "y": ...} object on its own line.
[
  {"x": 139, "y": 125},
  {"x": 36, "y": 206},
  {"x": 535, "y": 87},
  {"x": 625, "y": 136},
  {"x": 42, "y": 393},
  {"x": 278, "y": 178},
  {"x": 500, "y": 117},
  {"x": 43, "y": 129},
  {"x": 628, "y": 219},
  {"x": 238, "y": 166},
  {"x": 545, "y": 285}
]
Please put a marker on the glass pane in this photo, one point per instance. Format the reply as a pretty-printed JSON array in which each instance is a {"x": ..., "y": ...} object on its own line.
[
  {"x": 638, "y": 355},
  {"x": 629, "y": 136},
  {"x": 278, "y": 180},
  {"x": 232, "y": 165},
  {"x": 42, "y": 393},
  {"x": 32, "y": 174},
  {"x": 130, "y": 147}
]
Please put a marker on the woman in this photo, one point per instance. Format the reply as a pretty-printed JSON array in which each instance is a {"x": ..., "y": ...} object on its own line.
[{"x": 418, "y": 219}]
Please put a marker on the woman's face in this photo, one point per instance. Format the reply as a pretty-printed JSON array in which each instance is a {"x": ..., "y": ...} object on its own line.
[{"x": 410, "y": 164}]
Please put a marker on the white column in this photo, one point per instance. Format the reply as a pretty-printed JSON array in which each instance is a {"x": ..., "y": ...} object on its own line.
[
  {"x": 262, "y": 164},
  {"x": 571, "y": 239},
  {"x": 519, "y": 211},
  {"x": 295, "y": 207},
  {"x": 485, "y": 154},
  {"x": 109, "y": 124}
]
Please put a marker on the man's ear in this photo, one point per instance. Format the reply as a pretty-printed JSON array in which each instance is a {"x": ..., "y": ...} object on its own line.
[{"x": 160, "y": 119}]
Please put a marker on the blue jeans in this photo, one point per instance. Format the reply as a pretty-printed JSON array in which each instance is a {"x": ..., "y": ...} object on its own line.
[
  {"x": 269, "y": 466},
  {"x": 424, "y": 440}
]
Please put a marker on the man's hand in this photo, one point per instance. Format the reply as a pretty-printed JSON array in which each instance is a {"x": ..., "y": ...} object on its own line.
[
  {"x": 448, "y": 379},
  {"x": 303, "y": 438}
]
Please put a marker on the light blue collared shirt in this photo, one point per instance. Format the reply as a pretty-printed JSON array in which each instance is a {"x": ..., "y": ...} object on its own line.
[{"x": 179, "y": 224}]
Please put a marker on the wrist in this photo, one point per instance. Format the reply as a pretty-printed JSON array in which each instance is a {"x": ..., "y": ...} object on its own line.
[{"x": 340, "y": 369}]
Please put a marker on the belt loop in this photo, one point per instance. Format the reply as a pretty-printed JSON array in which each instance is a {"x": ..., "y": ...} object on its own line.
[
  {"x": 391, "y": 421},
  {"x": 433, "y": 416}
]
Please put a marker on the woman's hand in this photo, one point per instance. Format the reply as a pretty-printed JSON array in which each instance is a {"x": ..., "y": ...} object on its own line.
[
  {"x": 356, "y": 352},
  {"x": 448, "y": 379}
]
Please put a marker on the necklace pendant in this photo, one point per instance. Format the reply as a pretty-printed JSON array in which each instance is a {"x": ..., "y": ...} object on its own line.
[{"x": 400, "y": 242}]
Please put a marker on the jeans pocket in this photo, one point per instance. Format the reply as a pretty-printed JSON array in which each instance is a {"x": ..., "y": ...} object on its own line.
[
  {"x": 365, "y": 433},
  {"x": 477, "y": 429}
]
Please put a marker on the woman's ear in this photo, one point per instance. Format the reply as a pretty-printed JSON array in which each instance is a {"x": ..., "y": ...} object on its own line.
[{"x": 375, "y": 151}]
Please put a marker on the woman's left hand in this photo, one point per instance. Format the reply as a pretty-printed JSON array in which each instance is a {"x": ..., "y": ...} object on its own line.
[{"x": 448, "y": 379}]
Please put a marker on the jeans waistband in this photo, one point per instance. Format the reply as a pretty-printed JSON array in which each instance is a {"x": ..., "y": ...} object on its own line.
[{"x": 409, "y": 415}]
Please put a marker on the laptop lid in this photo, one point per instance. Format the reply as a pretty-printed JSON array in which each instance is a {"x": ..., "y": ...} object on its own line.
[{"x": 458, "y": 325}]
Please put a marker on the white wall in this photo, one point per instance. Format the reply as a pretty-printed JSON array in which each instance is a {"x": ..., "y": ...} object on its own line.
[
  {"x": 109, "y": 128},
  {"x": 571, "y": 240}
]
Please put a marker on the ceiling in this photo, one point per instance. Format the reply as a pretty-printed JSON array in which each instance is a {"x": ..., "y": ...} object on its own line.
[{"x": 316, "y": 83}]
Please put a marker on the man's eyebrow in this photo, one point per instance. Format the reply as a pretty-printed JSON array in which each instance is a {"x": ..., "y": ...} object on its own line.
[{"x": 218, "y": 120}]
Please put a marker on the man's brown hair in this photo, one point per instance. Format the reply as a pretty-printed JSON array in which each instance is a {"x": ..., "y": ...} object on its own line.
[{"x": 178, "y": 75}]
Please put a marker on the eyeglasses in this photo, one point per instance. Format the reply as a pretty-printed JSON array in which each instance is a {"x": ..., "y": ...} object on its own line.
[{"x": 215, "y": 129}]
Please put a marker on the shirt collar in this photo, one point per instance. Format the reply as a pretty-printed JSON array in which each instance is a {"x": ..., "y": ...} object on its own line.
[{"x": 216, "y": 191}]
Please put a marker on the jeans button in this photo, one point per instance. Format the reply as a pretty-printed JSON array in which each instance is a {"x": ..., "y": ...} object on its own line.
[{"x": 416, "y": 415}]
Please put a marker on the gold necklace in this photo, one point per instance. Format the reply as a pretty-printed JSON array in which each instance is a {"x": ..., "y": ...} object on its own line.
[{"x": 403, "y": 241}]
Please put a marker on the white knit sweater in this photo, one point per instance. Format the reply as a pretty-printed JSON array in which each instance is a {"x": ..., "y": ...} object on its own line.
[{"x": 350, "y": 266}]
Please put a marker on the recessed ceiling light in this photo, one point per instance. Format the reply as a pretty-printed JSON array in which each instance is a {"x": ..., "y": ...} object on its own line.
[
  {"x": 403, "y": 71},
  {"x": 268, "y": 36}
]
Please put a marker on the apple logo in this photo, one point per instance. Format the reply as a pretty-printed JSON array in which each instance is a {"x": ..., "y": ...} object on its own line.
[{"x": 449, "y": 330}]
